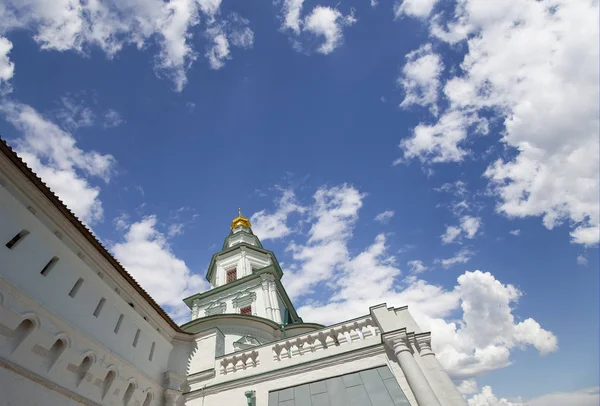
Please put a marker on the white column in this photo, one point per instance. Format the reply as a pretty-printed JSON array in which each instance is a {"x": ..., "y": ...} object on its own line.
[
  {"x": 274, "y": 300},
  {"x": 243, "y": 266},
  {"x": 416, "y": 379},
  {"x": 266, "y": 296},
  {"x": 449, "y": 394},
  {"x": 173, "y": 391}
]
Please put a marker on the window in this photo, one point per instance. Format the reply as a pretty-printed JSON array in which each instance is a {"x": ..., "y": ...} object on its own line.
[
  {"x": 46, "y": 269},
  {"x": 99, "y": 307},
  {"x": 118, "y": 326},
  {"x": 76, "y": 287},
  {"x": 246, "y": 310},
  {"x": 136, "y": 338},
  {"x": 231, "y": 275},
  {"x": 84, "y": 367},
  {"x": 16, "y": 239},
  {"x": 151, "y": 352}
]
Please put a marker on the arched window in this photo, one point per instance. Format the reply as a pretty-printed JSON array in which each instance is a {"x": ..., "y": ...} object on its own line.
[
  {"x": 17, "y": 239},
  {"x": 55, "y": 352},
  {"x": 83, "y": 369},
  {"x": 148, "y": 399},
  {"x": 108, "y": 381},
  {"x": 48, "y": 267},
  {"x": 128, "y": 393},
  {"x": 21, "y": 332}
]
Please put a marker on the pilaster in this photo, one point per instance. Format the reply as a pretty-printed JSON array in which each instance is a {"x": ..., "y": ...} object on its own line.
[
  {"x": 173, "y": 384},
  {"x": 264, "y": 281}
]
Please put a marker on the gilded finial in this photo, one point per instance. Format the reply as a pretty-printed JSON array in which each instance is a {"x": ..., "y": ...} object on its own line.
[{"x": 240, "y": 220}]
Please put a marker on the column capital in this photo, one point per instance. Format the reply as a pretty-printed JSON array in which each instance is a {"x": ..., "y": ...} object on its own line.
[
  {"x": 396, "y": 340},
  {"x": 423, "y": 341},
  {"x": 267, "y": 277}
]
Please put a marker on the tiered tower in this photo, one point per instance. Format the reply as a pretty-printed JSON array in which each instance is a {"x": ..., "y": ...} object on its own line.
[{"x": 246, "y": 291}]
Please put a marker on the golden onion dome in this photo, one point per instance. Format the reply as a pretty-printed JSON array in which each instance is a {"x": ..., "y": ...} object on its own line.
[{"x": 240, "y": 221}]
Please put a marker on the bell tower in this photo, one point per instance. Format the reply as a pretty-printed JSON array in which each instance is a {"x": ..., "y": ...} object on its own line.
[{"x": 245, "y": 279}]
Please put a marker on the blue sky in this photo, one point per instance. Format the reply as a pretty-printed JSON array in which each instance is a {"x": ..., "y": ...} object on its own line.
[{"x": 384, "y": 152}]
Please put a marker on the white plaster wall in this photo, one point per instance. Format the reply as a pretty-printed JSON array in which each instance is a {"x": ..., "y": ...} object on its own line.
[
  {"x": 243, "y": 260},
  {"x": 233, "y": 395},
  {"x": 13, "y": 387},
  {"x": 227, "y": 296},
  {"x": 21, "y": 266},
  {"x": 30, "y": 354}
]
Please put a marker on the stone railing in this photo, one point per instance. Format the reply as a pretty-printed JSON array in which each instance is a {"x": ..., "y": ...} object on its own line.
[
  {"x": 307, "y": 347},
  {"x": 238, "y": 361},
  {"x": 321, "y": 340}
]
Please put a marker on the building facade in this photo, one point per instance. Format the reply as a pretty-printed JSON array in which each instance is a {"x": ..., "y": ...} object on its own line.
[{"x": 76, "y": 328}]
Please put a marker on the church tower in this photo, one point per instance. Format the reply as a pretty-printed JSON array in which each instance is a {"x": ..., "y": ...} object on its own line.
[{"x": 245, "y": 280}]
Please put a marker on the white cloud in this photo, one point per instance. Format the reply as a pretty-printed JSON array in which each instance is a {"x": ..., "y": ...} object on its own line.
[
  {"x": 481, "y": 340},
  {"x": 325, "y": 22},
  {"x": 75, "y": 114},
  {"x": 413, "y": 8},
  {"x": 233, "y": 32},
  {"x": 7, "y": 67},
  {"x": 334, "y": 212},
  {"x": 582, "y": 260},
  {"x": 113, "y": 25},
  {"x": 53, "y": 154},
  {"x": 487, "y": 398},
  {"x": 581, "y": 397},
  {"x": 470, "y": 225},
  {"x": 416, "y": 266},
  {"x": 291, "y": 15},
  {"x": 112, "y": 118},
  {"x": 385, "y": 216},
  {"x": 451, "y": 234},
  {"x": 529, "y": 65},
  {"x": 468, "y": 228},
  {"x": 374, "y": 3},
  {"x": 461, "y": 257},
  {"x": 328, "y": 23},
  {"x": 175, "y": 229},
  {"x": 468, "y": 387},
  {"x": 515, "y": 232},
  {"x": 271, "y": 226},
  {"x": 146, "y": 254},
  {"x": 420, "y": 78}
]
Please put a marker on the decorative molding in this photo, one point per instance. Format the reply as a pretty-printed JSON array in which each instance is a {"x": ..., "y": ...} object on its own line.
[
  {"x": 245, "y": 298},
  {"x": 215, "y": 307}
]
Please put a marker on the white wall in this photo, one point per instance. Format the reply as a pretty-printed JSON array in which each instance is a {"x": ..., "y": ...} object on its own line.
[
  {"x": 13, "y": 386},
  {"x": 22, "y": 265},
  {"x": 234, "y": 394}
]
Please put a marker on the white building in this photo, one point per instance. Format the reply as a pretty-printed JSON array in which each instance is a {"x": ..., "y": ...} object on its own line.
[{"x": 76, "y": 328}]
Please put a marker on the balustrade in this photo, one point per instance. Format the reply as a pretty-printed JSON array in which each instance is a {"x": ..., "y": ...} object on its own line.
[
  {"x": 239, "y": 361},
  {"x": 323, "y": 339}
]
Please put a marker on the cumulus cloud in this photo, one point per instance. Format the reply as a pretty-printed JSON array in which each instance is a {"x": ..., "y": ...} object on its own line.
[
  {"x": 420, "y": 78},
  {"x": 516, "y": 232},
  {"x": 53, "y": 154},
  {"x": 146, "y": 254},
  {"x": 581, "y": 397},
  {"x": 582, "y": 260},
  {"x": 529, "y": 66},
  {"x": 324, "y": 22},
  {"x": 113, "y": 25},
  {"x": 274, "y": 225},
  {"x": 481, "y": 340},
  {"x": 385, "y": 216}
]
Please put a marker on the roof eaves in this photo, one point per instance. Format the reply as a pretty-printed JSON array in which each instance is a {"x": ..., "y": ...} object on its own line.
[{"x": 78, "y": 224}]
